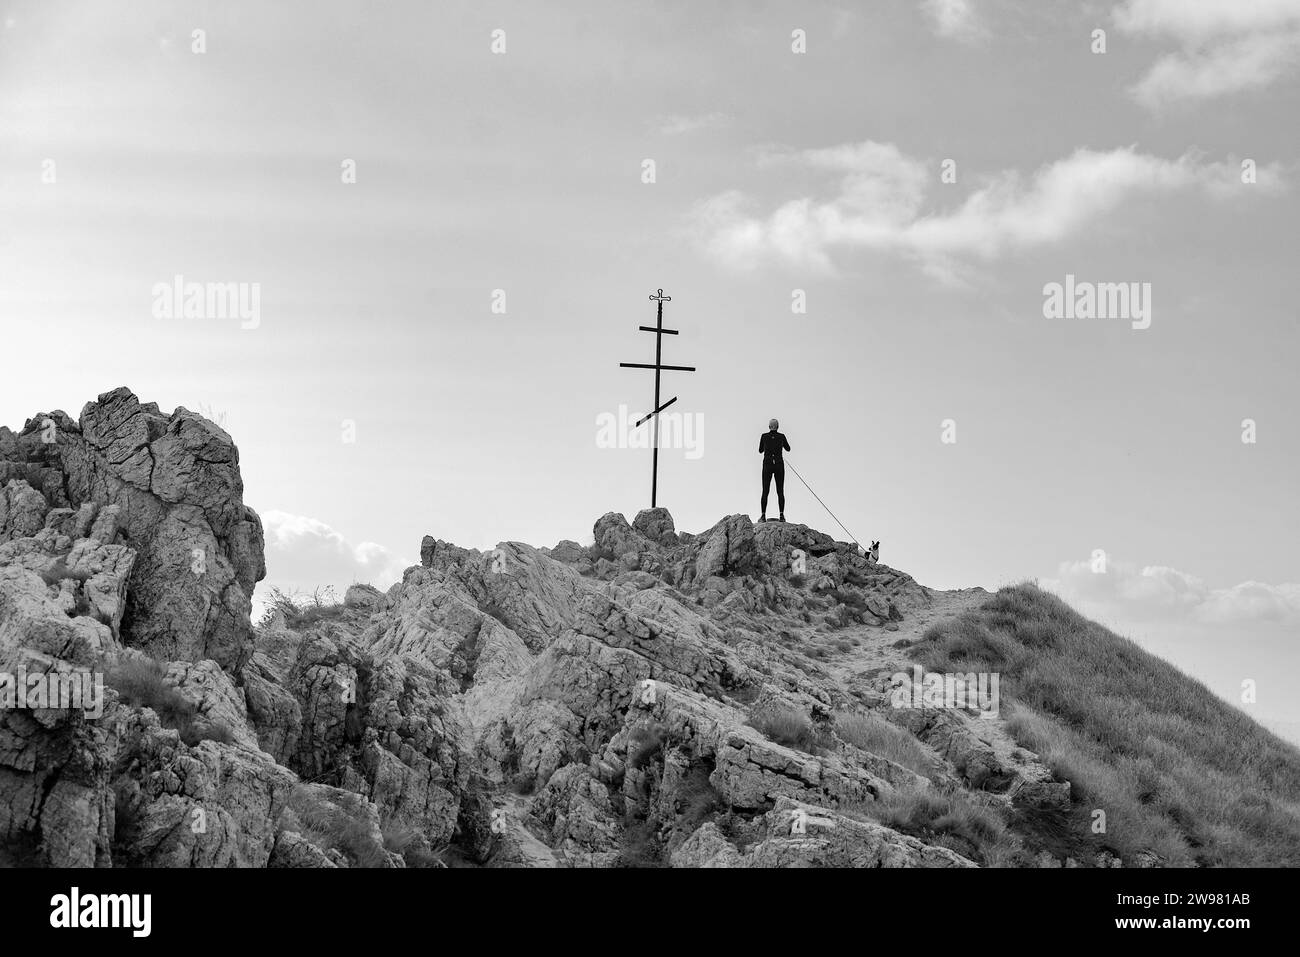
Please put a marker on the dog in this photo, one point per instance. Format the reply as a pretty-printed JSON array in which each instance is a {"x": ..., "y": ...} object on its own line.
[{"x": 872, "y": 554}]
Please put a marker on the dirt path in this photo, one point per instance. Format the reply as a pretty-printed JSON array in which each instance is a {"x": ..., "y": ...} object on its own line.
[{"x": 876, "y": 651}]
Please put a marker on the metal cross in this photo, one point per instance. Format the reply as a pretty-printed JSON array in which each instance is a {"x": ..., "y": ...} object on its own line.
[{"x": 659, "y": 331}]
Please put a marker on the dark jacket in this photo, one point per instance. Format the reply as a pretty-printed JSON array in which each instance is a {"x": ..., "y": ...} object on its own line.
[{"x": 771, "y": 445}]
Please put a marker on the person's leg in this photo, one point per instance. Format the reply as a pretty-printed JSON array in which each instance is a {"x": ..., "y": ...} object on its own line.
[
  {"x": 780, "y": 490},
  {"x": 767, "y": 486}
]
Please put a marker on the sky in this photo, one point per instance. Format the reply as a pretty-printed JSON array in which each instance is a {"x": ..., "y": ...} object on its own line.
[{"x": 453, "y": 216}]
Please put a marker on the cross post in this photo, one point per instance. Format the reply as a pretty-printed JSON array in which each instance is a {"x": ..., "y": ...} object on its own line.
[{"x": 659, "y": 331}]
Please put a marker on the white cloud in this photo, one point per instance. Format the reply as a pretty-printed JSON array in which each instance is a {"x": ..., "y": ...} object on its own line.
[
  {"x": 303, "y": 554},
  {"x": 1225, "y": 46},
  {"x": 954, "y": 19},
  {"x": 880, "y": 203},
  {"x": 1156, "y": 592}
]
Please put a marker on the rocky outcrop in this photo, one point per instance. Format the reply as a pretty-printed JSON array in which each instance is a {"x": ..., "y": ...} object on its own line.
[
  {"x": 655, "y": 698},
  {"x": 168, "y": 488},
  {"x": 806, "y": 835}
]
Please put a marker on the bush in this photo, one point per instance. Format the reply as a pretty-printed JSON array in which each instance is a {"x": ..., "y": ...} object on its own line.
[{"x": 302, "y": 611}]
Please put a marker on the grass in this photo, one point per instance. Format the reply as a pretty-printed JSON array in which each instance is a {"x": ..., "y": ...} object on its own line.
[
  {"x": 972, "y": 829},
  {"x": 876, "y": 735},
  {"x": 1178, "y": 772},
  {"x": 408, "y": 843},
  {"x": 302, "y": 611},
  {"x": 142, "y": 683},
  {"x": 331, "y": 827},
  {"x": 853, "y": 599},
  {"x": 790, "y": 727}
]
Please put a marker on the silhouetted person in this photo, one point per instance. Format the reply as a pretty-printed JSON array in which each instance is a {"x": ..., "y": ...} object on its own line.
[{"x": 770, "y": 445}]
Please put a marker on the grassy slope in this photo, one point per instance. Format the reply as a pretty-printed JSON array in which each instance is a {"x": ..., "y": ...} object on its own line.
[{"x": 1178, "y": 772}]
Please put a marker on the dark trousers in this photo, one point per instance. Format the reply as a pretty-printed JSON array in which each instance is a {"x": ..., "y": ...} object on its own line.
[{"x": 774, "y": 471}]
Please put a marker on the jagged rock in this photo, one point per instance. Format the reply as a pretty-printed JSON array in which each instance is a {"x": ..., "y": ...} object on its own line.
[
  {"x": 22, "y": 510},
  {"x": 219, "y": 704},
  {"x": 55, "y": 768},
  {"x": 808, "y": 835},
  {"x": 729, "y": 549},
  {"x": 656, "y": 524},
  {"x": 619, "y": 686},
  {"x": 568, "y": 551},
  {"x": 31, "y": 618},
  {"x": 986, "y": 761},
  {"x": 616, "y": 538},
  {"x": 580, "y": 818},
  {"x": 363, "y": 596},
  {"x": 275, "y": 713},
  {"x": 212, "y": 805},
  {"x": 293, "y": 850},
  {"x": 172, "y": 485}
]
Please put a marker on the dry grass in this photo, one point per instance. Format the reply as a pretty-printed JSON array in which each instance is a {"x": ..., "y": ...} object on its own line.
[
  {"x": 962, "y": 823},
  {"x": 876, "y": 735},
  {"x": 790, "y": 727},
  {"x": 142, "y": 683},
  {"x": 1179, "y": 772},
  {"x": 331, "y": 827},
  {"x": 301, "y": 611}
]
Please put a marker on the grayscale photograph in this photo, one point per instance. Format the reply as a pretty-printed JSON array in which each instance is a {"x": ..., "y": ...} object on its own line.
[{"x": 655, "y": 438}]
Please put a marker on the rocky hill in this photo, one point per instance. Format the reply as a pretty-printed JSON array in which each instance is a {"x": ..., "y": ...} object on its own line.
[{"x": 657, "y": 698}]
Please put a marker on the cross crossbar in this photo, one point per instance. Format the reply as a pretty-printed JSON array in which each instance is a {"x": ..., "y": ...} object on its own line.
[{"x": 659, "y": 368}]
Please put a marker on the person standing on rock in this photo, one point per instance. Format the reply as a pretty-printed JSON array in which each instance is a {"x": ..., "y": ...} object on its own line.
[{"x": 770, "y": 446}]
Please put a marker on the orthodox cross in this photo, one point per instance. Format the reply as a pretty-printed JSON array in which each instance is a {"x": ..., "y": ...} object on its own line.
[{"x": 659, "y": 331}]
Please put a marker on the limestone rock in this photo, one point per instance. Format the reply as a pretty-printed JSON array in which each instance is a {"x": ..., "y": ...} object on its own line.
[{"x": 656, "y": 524}]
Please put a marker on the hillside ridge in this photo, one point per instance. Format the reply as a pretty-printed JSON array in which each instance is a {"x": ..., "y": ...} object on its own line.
[{"x": 657, "y": 698}]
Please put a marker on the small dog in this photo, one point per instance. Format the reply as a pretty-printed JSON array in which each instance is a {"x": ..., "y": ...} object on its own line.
[{"x": 872, "y": 554}]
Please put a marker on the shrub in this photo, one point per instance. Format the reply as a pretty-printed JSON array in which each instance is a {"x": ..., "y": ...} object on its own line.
[{"x": 302, "y": 611}]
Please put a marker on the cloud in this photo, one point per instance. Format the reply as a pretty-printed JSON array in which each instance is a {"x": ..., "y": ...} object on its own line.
[
  {"x": 303, "y": 554},
  {"x": 880, "y": 204},
  {"x": 1225, "y": 46},
  {"x": 954, "y": 19},
  {"x": 677, "y": 125},
  {"x": 1157, "y": 592}
]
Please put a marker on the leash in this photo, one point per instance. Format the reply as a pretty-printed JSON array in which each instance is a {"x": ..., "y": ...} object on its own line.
[{"x": 823, "y": 504}]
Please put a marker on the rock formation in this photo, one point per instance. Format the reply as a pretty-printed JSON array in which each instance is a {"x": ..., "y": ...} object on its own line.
[{"x": 654, "y": 698}]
